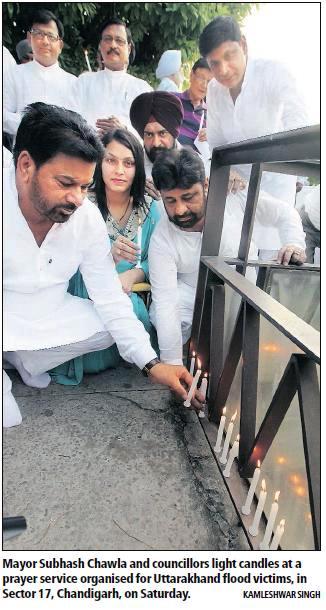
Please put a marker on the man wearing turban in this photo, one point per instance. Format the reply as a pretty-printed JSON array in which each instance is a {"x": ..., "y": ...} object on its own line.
[
  {"x": 169, "y": 71},
  {"x": 157, "y": 117}
]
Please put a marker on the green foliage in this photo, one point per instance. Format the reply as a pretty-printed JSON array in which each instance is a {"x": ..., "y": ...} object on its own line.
[{"x": 155, "y": 27}]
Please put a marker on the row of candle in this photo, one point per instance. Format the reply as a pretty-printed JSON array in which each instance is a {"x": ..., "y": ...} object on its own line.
[{"x": 227, "y": 457}]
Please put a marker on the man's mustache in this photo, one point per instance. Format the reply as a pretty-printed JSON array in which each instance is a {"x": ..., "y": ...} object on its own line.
[{"x": 115, "y": 51}]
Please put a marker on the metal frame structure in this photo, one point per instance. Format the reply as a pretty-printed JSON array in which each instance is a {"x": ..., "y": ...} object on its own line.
[{"x": 295, "y": 152}]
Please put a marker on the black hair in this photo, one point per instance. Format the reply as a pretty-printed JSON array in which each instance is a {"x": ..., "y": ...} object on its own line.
[
  {"x": 44, "y": 16},
  {"x": 46, "y": 131},
  {"x": 117, "y": 21},
  {"x": 177, "y": 168},
  {"x": 200, "y": 63},
  {"x": 137, "y": 191},
  {"x": 220, "y": 30}
]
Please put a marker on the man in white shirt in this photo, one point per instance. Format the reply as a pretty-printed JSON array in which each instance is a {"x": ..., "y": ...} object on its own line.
[
  {"x": 248, "y": 98},
  {"x": 175, "y": 246},
  {"x": 40, "y": 80},
  {"x": 169, "y": 71},
  {"x": 109, "y": 93},
  {"x": 51, "y": 230}
]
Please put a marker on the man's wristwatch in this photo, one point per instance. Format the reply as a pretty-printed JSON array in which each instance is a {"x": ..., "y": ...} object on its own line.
[{"x": 149, "y": 366}]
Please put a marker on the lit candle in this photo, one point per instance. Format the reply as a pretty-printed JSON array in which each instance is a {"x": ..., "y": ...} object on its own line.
[
  {"x": 87, "y": 60},
  {"x": 192, "y": 363},
  {"x": 277, "y": 536},
  {"x": 234, "y": 452},
  {"x": 253, "y": 529},
  {"x": 254, "y": 481},
  {"x": 223, "y": 458},
  {"x": 270, "y": 524},
  {"x": 139, "y": 236},
  {"x": 193, "y": 386},
  {"x": 203, "y": 390},
  {"x": 218, "y": 444}
]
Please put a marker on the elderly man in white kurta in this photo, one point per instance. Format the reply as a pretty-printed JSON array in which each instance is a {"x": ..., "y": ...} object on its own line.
[
  {"x": 50, "y": 231},
  {"x": 248, "y": 98},
  {"x": 175, "y": 246},
  {"x": 110, "y": 92},
  {"x": 40, "y": 80}
]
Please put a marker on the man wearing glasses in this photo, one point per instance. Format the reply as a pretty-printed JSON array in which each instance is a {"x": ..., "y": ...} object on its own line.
[
  {"x": 40, "y": 80},
  {"x": 106, "y": 96}
]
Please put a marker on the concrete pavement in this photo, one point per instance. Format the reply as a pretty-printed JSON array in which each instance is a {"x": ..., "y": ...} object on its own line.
[{"x": 113, "y": 464}]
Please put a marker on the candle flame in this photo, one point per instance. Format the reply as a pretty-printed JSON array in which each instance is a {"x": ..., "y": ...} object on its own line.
[
  {"x": 282, "y": 522},
  {"x": 224, "y": 411},
  {"x": 270, "y": 347},
  {"x": 300, "y": 491},
  {"x": 258, "y": 464},
  {"x": 277, "y": 495},
  {"x": 234, "y": 416},
  {"x": 205, "y": 374},
  {"x": 238, "y": 438},
  {"x": 263, "y": 485},
  {"x": 193, "y": 354},
  {"x": 198, "y": 363},
  {"x": 281, "y": 459}
]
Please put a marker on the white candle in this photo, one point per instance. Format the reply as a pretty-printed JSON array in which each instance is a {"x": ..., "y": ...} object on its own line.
[
  {"x": 264, "y": 545},
  {"x": 87, "y": 60},
  {"x": 218, "y": 444},
  {"x": 223, "y": 458},
  {"x": 192, "y": 363},
  {"x": 234, "y": 452},
  {"x": 254, "y": 482},
  {"x": 139, "y": 236},
  {"x": 193, "y": 386},
  {"x": 253, "y": 529},
  {"x": 203, "y": 390},
  {"x": 277, "y": 536}
]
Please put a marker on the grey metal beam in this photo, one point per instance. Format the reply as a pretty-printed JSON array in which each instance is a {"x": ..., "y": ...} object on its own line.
[
  {"x": 273, "y": 419},
  {"x": 249, "y": 217},
  {"x": 250, "y": 358},
  {"x": 216, "y": 339},
  {"x": 309, "y": 403},
  {"x": 298, "y": 331}
]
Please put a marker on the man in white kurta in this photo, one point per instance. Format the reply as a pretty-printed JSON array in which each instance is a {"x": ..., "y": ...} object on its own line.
[
  {"x": 110, "y": 92},
  {"x": 40, "y": 80},
  {"x": 175, "y": 247},
  {"x": 51, "y": 230},
  {"x": 249, "y": 98}
]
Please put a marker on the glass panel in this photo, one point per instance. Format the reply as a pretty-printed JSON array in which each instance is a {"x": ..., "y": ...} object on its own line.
[
  {"x": 284, "y": 466},
  {"x": 299, "y": 291}
]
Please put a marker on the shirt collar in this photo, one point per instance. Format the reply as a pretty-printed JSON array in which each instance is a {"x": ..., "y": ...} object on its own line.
[
  {"x": 41, "y": 68},
  {"x": 185, "y": 96},
  {"x": 115, "y": 73},
  {"x": 248, "y": 73}
]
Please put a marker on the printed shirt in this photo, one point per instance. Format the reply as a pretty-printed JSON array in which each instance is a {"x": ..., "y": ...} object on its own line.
[{"x": 191, "y": 120}]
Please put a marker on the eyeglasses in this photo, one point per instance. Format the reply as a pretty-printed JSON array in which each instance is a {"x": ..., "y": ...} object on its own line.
[
  {"x": 121, "y": 42},
  {"x": 40, "y": 35}
]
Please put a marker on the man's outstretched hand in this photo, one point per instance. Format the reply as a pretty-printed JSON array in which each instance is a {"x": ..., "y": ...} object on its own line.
[
  {"x": 178, "y": 379},
  {"x": 291, "y": 254}
]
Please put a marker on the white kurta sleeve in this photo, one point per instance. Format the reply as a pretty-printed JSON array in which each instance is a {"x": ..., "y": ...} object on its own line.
[
  {"x": 11, "y": 117},
  {"x": 272, "y": 212},
  {"x": 215, "y": 136},
  {"x": 112, "y": 305},
  {"x": 163, "y": 278}
]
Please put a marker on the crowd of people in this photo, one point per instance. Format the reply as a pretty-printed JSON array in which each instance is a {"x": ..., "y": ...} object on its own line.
[{"x": 106, "y": 189}]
